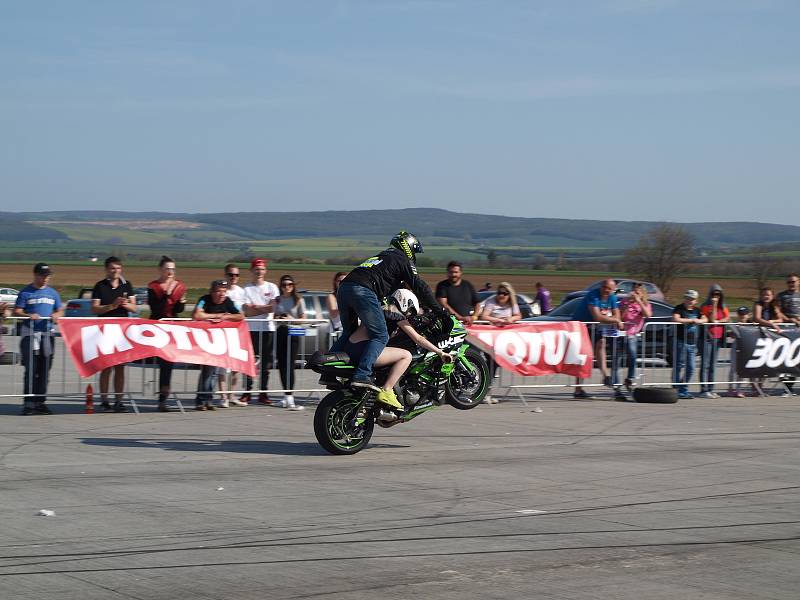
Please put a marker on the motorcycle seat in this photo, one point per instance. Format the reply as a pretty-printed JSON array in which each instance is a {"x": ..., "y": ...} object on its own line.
[{"x": 319, "y": 361}]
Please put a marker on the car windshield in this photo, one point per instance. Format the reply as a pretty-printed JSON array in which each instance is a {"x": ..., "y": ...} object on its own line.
[{"x": 567, "y": 309}]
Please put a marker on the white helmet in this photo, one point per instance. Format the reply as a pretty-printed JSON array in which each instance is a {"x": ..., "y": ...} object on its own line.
[{"x": 406, "y": 301}]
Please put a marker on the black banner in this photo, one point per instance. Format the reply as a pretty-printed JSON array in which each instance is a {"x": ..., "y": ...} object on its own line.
[{"x": 766, "y": 353}]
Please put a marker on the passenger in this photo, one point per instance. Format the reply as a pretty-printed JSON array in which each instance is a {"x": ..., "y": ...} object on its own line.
[
  {"x": 403, "y": 304},
  {"x": 333, "y": 305},
  {"x": 113, "y": 297}
]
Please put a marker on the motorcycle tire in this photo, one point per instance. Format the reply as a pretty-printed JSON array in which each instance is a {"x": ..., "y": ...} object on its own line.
[
  {"x": 334, "y": 428},
  {"x": 466, "y": 389}
]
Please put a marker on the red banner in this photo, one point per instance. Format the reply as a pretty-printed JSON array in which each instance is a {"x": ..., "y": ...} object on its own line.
[
  {"x": 101, "y": 343},
  {"x": 542, "y": 348}
]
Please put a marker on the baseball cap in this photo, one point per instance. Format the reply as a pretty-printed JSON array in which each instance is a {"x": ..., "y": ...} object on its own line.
[
  {"x": 258, "y": 262},
  {"x": 691, "y": 294},
  {"x": 218, "y": 283},
  {"x": 743, "y": 310},
  {"x": 42, "y": 269}
]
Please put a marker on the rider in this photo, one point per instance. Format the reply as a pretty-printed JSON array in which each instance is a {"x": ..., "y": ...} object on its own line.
[
  {"x": 402, "y": 304},
  {"x": 360, "y": 293}
]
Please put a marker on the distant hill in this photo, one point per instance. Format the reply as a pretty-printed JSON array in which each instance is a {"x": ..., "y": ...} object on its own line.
[
  {"x": 432, "y": 225},
  {"x": 16, "y": 229}
]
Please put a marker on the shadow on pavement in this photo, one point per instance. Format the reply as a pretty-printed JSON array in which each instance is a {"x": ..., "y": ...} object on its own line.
[{"x": 243, "y": 446}]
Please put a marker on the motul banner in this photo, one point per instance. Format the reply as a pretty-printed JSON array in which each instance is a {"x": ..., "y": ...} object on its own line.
[
  {"x": 766, "y": 353},
  {"x": 98, "y": 344},
  {"x": 537, "y": 348}
]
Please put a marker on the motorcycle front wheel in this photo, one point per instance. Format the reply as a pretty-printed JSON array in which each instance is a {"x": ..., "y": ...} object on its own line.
[
  {"x": 337, "y": 426},
  {"x": 468, "y": 384}
]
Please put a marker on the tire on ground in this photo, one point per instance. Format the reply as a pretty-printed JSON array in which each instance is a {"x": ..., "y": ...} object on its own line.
[{"x": 656, "y": 395}]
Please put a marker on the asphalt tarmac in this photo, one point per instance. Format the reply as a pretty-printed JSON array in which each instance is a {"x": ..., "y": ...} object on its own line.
[{"x": 583, "y": 500}]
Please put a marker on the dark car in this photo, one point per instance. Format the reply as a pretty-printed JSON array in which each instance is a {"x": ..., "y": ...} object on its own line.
[
  {"x": 525, "y": 303},
  {"x": 655, "y": 341},
  {"x": 624, "y": 287}
]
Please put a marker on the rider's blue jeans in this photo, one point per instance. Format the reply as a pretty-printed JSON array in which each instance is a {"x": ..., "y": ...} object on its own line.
[{"x": 358, "y": 301}]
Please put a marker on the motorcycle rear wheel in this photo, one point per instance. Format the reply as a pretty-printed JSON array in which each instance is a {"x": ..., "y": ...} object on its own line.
[
  {"x": 466, "y": 389},
  {"x": 335, "y": 427}
]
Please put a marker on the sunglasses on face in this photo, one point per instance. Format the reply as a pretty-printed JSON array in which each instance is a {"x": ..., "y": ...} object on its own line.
[
  {"x": 502, "y": 293},
  {"x": 232, "y": 274},
  {"x": 287, "y": 284}
]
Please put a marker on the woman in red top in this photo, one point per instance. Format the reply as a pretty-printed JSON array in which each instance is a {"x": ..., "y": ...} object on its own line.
[
  {"x": 167, "y": 299},
  {"x": 715, "y": 311}
]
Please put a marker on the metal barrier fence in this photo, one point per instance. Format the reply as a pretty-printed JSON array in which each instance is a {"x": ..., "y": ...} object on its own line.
[
  {"x": 283, "y": 351},
  {"x": 286, "y": 349},
  {"x": 666, "y": 354}
]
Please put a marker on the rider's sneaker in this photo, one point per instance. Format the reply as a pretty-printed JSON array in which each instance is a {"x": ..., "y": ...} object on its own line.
[
  {"x": 366, "y": 382},
  {"x": 389, "y": 398}
]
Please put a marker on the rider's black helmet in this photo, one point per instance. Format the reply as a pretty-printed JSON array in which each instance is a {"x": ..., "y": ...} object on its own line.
[{"x": 408, "y": 243}]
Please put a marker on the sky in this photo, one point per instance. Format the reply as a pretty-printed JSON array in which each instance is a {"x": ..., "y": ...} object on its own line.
[{"x": 680, "y": 110}]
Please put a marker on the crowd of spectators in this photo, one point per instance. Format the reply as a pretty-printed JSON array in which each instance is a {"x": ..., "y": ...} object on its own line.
[{"x": 272, "y": 310}]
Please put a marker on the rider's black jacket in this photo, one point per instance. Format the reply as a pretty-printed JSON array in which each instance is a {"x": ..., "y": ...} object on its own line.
[{"x": 384, "y": 273}]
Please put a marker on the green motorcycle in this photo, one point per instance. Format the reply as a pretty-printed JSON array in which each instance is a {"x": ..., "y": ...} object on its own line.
[{"x": 346, "y": 417}]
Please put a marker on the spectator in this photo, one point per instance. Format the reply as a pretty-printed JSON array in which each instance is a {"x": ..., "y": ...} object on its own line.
[
  {"x": 602, "y": 306},
  {"x": 42, "y": 305},
  {"x": 259, "y": 304},
  {"x": 767, "y": 311},
  {"x": 229, "y": 379},
  {"x": 686, "y": 334},
  {"x": 789, "y": 302},
  {"x": 742, "y": 316},
  {"x": 3, "y": 311},
  {"x": 332, "y": 303},
  {"x": 542, "y": 298},
  {"x": 634, "y": 310},
  {"x": 502, "y": 308},
  {"x": 113, "y": 297},
  {"x": 487, "y": 287},
  {"x": 789, "y": 299},
  {"x": 290, "y": 305},
  {"x": 214, "y": 307},
  {"x": 235, "y": 291},
  {"x": 715, "y": 311},
  {"x": 457, "y": 295},
  {"x": 167, "y": 299}
]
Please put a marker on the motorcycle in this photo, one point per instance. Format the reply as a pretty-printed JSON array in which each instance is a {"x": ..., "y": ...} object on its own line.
[{"x": 345, "y": 419}]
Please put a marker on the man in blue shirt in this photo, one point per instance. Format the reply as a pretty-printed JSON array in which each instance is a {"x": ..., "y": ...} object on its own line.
[
  {"x": 42, "y": 305},
  {"x": 601, "y": 306}
]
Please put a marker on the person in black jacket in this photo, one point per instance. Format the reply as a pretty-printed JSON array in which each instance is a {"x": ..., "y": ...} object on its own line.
[{"x": 359, "y": 297}]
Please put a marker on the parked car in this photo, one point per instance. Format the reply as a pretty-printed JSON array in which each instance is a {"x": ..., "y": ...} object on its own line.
[
  {"x": 655, "y": 346},
  {"x": 624, "y": 287},
  {"x": 82, "y": 305},
  {"x": 527, "y": 307},
  {"x": 8, "y": 295}
]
